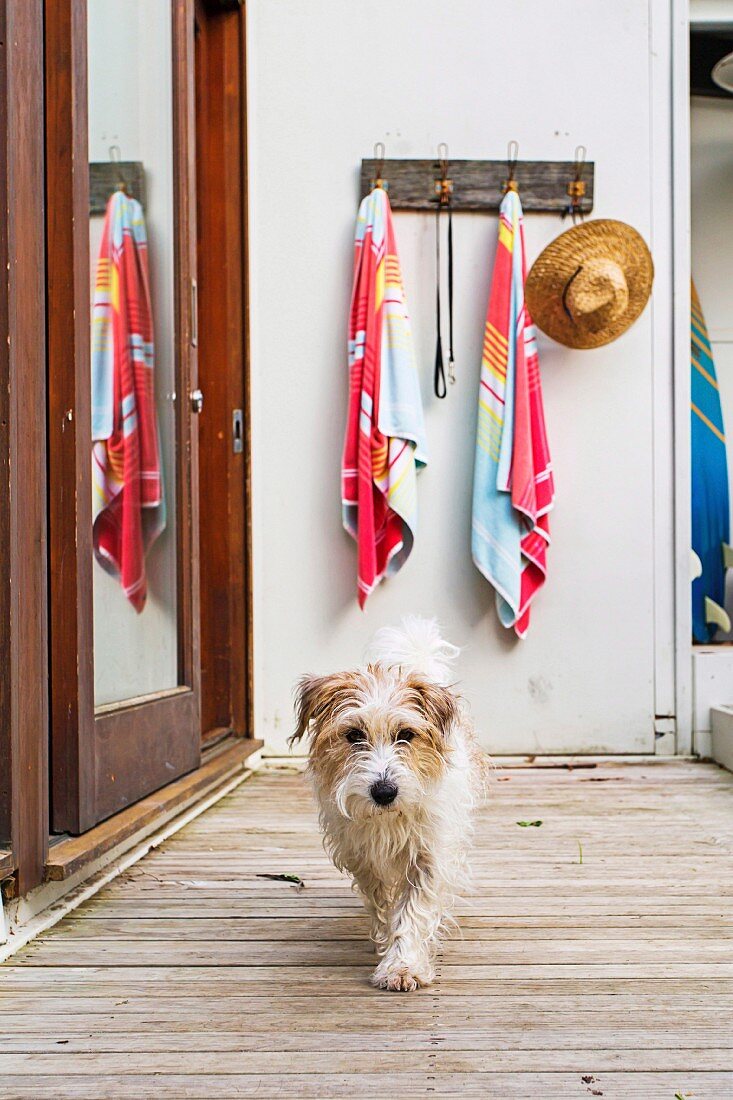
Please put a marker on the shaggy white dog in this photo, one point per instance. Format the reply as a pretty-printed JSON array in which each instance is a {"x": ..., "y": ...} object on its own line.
[{"x": 397, "y": 772}]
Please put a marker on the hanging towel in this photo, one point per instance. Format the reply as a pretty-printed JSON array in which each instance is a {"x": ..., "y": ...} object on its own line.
[
  {"x": 710, "y": 497},
  {"x": 513, "y": 488},
  {"x": 129, "y": 506},
  {"x": 385, "y": 437}
]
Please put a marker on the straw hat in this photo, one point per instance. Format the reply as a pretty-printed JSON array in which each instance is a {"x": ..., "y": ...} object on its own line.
[{"x": 590, "y": 284}]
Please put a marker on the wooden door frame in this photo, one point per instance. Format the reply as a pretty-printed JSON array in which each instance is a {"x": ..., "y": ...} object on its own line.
[
  {"x": 23, "y": 612},
  {"x": 225, "y": 551},
  {"x": 103, "y": 761}
]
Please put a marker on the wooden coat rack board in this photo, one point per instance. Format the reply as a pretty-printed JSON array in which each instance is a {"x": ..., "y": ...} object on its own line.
[
  {"x": 478, "y": 184},
  {"x": 106, "y": 175}
]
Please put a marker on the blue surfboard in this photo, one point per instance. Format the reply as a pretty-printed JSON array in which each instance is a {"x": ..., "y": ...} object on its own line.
[{"x": 710, "y": 492}]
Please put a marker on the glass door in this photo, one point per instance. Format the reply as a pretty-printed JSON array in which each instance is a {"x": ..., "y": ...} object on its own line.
[{"x": 123, "y": 403}]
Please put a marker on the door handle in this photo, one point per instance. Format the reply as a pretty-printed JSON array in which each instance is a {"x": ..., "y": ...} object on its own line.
[
  {"x": 194, "y": 314},
  {"x": 197, "y": 401},
  {"x": 237, "y": 431}
]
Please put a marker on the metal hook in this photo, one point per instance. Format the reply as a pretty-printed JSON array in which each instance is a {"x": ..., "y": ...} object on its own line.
[
  {"x": 576, "y": 187},
  {"x": 512, "y": 153},
  {"x": 379, "y": 154},
  {"x": 443, "y": 158},
  {"x": 115, "y": 157},
  {"x": 443, "y": 186},
  {"x": 580, "y": 152}
]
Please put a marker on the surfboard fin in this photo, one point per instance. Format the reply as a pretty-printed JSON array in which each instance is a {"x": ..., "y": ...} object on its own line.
[
  {"x": 716, "y": 614},
  {"x": 695, "y": 566}
]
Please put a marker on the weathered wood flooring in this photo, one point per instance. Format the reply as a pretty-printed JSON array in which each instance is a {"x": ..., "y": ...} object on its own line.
[{"x": 190, "y": 976}]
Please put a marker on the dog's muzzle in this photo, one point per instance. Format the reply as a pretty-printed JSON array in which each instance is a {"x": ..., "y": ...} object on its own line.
[{"x": 383, "y": 792}]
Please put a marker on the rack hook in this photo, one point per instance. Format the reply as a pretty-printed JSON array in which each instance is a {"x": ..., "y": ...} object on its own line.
[
  {"x": 576, "y": 187},
  {"x": 379, "y": 154},
  {"x": 443, "y": 186},
  {"x": 512, "y": 153},
  {"x": 443, "y": 158},
  {"x": 116, "y": 157}
]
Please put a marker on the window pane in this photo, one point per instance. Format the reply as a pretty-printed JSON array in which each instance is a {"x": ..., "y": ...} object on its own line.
[{"x": 133, "y": 351}]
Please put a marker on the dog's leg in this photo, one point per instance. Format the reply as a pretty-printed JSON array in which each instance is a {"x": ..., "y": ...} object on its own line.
[
  {"x": 376, "y": 901},
  {"x": 413, "y": 925}
]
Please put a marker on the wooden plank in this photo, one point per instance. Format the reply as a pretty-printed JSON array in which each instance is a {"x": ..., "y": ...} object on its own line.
[
  {"x": 509, "y": 1086},
  {"x": 7, "y": 863},
  {"x": 478, "y": 184},
  {"x": 224, "y": 1062},
  {"x": 374, "y": 1029},
  {"x": 650, "y": 957},
  {"x": 303, "y": 929},
  {"x": 514, "y": 985},
  {"x": 68, "y": 856},
  {"x": 279, "y": 913}
]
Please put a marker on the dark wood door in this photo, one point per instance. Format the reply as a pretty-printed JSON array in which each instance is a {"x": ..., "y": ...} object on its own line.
[
  {"x": 125, "y": 687},
  {"x": 223, "y": 424}
]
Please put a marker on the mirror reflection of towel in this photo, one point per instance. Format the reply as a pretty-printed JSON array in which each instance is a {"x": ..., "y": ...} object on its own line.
[{"x": 129, "y": 504}]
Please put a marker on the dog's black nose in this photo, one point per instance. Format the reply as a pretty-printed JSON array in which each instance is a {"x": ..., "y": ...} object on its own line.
[{"x": 383, "y": 792}]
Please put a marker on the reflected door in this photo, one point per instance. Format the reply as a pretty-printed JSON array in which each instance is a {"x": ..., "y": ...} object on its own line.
[{"x": 122, "y": 403}]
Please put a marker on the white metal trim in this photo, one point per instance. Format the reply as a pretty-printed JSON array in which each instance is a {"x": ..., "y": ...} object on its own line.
[
  {"x": 660, "y": 189},
  {"x": 680, "y": 97}
]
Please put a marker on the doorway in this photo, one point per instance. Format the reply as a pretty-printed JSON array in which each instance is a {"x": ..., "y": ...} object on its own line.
[
  {"x": 144, "y": 672},
  {"x": 222, "y": 362}
]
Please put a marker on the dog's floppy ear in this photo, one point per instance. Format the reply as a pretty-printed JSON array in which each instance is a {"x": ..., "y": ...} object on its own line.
[
  {"x": 312, "y": 696},
  {"x": 439, "y": 705}
]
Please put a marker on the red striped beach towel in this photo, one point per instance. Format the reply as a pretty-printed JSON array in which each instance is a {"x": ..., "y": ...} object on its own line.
[
  {"x": 129, "y": 506},
  {"x": 513, "y": 481},
  {"x": 384, "y": 444}
]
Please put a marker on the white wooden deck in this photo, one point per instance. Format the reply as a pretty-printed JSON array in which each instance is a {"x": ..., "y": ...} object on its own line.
[{"x": 190, "y": 976}]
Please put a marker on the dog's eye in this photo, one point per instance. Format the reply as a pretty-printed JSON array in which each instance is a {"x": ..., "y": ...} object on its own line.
[
  {"x": 354, "y": 736},
  {"x": 405, "y": 735}
]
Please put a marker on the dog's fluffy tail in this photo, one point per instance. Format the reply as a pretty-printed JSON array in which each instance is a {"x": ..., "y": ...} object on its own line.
[{"x": 415, "y": 644}]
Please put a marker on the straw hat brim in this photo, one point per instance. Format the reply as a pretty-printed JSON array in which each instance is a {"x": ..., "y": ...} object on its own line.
[{"x": 557, "y": 265}]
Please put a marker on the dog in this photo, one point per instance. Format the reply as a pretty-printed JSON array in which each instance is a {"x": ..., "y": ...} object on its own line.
[{"x": 397, "y": 774}]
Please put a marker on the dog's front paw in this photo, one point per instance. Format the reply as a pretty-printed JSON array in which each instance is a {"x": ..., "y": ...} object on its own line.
[{"x": 401, "y": 979}]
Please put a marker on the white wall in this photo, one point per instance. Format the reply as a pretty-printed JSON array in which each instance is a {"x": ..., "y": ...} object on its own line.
[
  {"x": 130, "y": 105},
  {"x": 328, "y": 78},
  {"x": 712, "y": 247}
]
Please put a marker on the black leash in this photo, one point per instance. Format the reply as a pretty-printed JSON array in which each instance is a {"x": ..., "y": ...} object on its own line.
[{"x": 439, "y": 383}]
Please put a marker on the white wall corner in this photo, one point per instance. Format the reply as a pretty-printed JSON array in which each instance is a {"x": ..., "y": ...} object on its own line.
[
  {"x": 712, "y": 690},
  {"x": 722, "y": 736}
]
